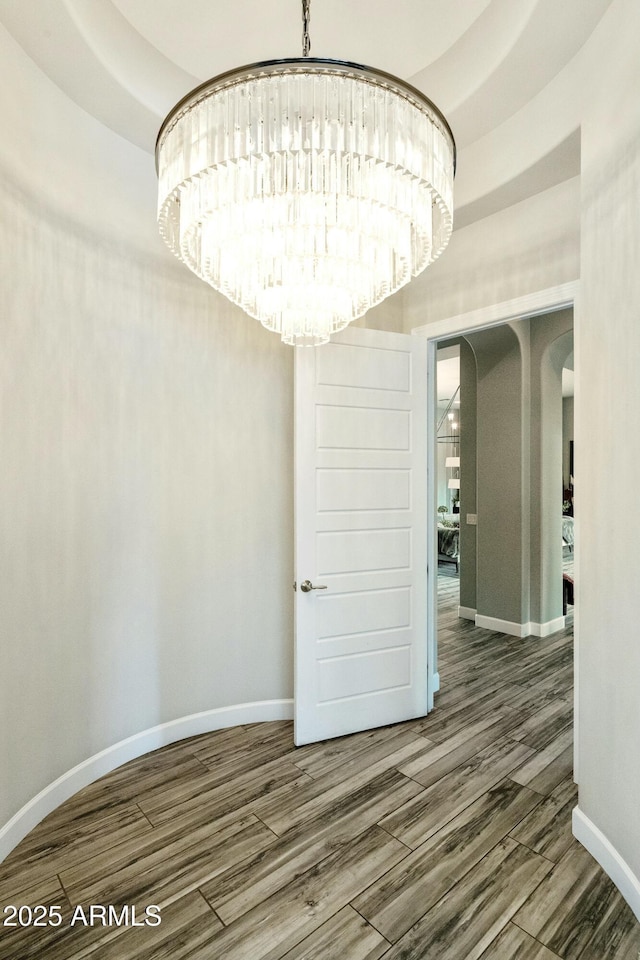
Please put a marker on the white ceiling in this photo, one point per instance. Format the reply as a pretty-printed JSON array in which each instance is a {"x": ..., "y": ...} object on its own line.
[
  {"x": 500, "y": 70},
  {"x": 128, "y": 61},
  {"x": 234, "y": 33}
]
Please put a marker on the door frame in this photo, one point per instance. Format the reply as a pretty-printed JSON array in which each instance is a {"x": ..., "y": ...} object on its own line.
[{"x": 531, "y": 305}]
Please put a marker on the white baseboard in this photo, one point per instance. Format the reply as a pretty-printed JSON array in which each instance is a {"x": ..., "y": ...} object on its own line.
[
  {"x": 436, "y": 682},
  {"x": 140, "y": 743},
  {"x": 608, "y": 857},
  {"x": 519, "y": 629},
  {"x": 502, "y": 626},
  {"x": 467, "y": 613},
  {"x": 546, "y": 629}
]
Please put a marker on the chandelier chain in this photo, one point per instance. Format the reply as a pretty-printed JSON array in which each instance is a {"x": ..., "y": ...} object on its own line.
[{"x": 306, "y": 16}]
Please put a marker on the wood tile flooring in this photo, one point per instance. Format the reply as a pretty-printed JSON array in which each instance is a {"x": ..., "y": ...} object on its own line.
[{"x": 445, "y": 838}]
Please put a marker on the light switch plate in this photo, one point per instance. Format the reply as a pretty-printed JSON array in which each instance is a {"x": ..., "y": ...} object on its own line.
[{"x": 472, "y": 519}]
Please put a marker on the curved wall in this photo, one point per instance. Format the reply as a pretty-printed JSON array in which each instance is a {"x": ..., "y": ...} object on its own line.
[
  {"x": 588, "y": 227},
  {"x": 607, "y": 351},
  {"x": 147, "y": 433},
  {"x": 530, "y": 246},
  {"x": 146, "y": 529}
]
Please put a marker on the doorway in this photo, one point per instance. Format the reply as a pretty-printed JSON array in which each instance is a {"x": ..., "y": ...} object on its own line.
[{"x": 545, "y": 302}]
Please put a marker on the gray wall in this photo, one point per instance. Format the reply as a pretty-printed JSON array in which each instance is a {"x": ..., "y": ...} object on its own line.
[
  {"x": 513, "y": 374},
  {"x": 551, "y": 343},
  {"x": 500, "y": 500},
  {"x": 468, "y": 478},
  {"x": 567, "y": 437}
]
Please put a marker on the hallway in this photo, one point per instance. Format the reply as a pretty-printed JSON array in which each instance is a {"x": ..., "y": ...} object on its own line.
[{"x": 445, "y": 838}]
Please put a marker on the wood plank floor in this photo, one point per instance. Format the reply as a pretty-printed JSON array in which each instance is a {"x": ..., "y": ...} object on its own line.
[{"x": 446, "y": 838}]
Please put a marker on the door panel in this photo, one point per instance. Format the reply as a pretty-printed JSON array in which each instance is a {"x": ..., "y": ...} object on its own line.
[
  {"x": 362, "y": 428},
  {"x": 361, "y": 645},
  {"x": 350, "y": 551},
  {"x": 359, "y": 489}
]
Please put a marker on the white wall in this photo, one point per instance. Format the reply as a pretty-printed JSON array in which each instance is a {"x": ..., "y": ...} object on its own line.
[
  {"x": 76, "y": 166},
  {"x": 607, "y": 405},
  {"x": 146, "y": 491},
  {"x": 533, "y": 245},
  {"x": 588, "y": 229}
]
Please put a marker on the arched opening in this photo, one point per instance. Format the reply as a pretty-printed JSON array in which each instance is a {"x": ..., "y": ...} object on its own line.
[{"x": 511, "y": 478}]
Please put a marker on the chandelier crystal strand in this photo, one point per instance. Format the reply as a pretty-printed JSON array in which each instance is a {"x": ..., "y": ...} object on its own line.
[{"x": 305, "y": 190}]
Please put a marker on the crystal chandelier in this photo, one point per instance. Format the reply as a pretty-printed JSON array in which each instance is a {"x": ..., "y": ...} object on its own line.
[{"x": 305, "y": 190}]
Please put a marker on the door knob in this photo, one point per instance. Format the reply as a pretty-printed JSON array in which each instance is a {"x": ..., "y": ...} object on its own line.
[{"x": 306, "y": 586}]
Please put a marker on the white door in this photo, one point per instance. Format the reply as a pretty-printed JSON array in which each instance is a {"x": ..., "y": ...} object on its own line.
[{"x": 361, "y": 538}]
